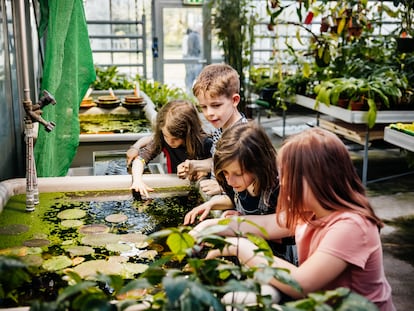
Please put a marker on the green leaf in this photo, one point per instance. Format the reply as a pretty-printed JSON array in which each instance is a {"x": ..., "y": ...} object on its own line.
[
  {"x": 135, "y": 284},
  {"x": 75, "y": 289},
  {"x": 372, "y": 113},
  {"x": 179, "y": 243}
]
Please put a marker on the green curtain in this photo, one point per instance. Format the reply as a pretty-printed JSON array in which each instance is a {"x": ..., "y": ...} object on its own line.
[{"x": 68, "y": 72}]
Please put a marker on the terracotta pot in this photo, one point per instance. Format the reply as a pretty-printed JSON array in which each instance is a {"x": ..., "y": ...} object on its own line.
[
  {"x": 343, "y": 103},
  {"x": 357, "y": 105},
  {"x": 355, "y": 31}
]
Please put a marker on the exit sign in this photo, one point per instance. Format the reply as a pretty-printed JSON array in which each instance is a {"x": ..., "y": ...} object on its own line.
[{"x": 193, "y": 2}]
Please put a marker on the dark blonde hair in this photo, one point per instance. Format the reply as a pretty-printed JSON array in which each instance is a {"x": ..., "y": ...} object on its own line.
[
  {"x": 249, "y": 145},
  {"x": 217, "y": 80},
  {"x": 322, "y": 160},
  {"x": 181, "y": 119}
]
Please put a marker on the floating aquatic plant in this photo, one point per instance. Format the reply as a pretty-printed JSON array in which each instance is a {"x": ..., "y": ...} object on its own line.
[
  {"x": 116, "y": 218},
  {"x": 94, "y": 229},
  {"x": 14, "y": 229},
  {"x": 73, "y": 213},
  {"x": 57, "y": 263}
]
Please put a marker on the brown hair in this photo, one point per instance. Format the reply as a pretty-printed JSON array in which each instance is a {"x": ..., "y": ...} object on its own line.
[
  {"x": 322, "y": 160},
  {"x": 217, "y": 80},
  {"x": 181, "y": 119},
  {"x": 249, "y": 145}
]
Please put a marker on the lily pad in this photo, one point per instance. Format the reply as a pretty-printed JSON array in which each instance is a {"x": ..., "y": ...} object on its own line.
[
  {"x": 78, "y": 260},
  {"x": 134, "y": 237},
  {"x": 15, "y": 251},
  {"x": 92, "y": 267},
  {"x": 89, "y": 269},
  {"x": 14, "y": 229},
  {"x": 36, "y": 242},
  {"x": 57, "y": 263},
  {"x": 71, "y": 223},
  {"x": 148, "y": 254},
  {"x": 100, "y": 239},
  {"x": 94, "y": 229},
  {"x": 79, "y": 250},
  {"x": 72, "y": 213},
  {"x": 116, "y": 218},
  {"x": 118, "y": 247},
  {"x": 33, "y": 260},
  {"x": 130, "y": 269}
]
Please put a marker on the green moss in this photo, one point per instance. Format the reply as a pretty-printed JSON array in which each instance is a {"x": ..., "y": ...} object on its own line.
[
  {"x": 44, "y": 223},
  {"x": 15, "y": 213}
]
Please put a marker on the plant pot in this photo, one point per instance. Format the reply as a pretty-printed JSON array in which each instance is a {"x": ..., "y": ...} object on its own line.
[
  {"x": 405, "y": 45},
  {"x": 355, "y": 31},
  {"x": 267, "y": 95},
  {"x": 357, "y": 105},
  {"x": 343, "y": 103}
]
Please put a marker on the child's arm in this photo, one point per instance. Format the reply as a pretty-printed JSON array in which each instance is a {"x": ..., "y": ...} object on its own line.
[
  {"x": 133, "y": 151},
  {"x": 138, "y": 165},
  {"x": 218, "y": 202},
  {"x": 194, "y": 168}
]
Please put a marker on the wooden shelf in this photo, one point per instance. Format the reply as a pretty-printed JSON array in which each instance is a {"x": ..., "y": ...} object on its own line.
[{"x": 353, "y": 132}]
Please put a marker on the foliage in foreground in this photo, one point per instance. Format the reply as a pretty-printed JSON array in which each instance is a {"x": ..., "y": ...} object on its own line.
[{"x": 181, "y": 279}]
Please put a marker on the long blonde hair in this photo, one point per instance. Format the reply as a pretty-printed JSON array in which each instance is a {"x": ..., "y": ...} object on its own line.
[{"x": 321, "y": 159}]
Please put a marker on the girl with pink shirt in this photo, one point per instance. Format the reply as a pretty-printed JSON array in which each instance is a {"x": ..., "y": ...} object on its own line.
[{"x": 323, "y": 201}]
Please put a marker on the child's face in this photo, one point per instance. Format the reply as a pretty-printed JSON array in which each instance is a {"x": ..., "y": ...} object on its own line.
[
  {"x": 236, "y": 178},
  {"x": 172, "y": 141},
  {"x": 220, "y": 111}
]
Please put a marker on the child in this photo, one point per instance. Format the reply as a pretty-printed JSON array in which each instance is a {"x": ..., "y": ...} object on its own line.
[
  {"x": 178, "y": 133},
  {"x": 245, "y": 167},
  {"x": 323, "y": 200},
  {"x": 217, "y": 91}
]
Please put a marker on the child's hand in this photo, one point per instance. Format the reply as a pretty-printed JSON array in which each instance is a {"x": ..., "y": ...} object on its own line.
[
  {"x": 141, "y": 187},
  {"x": 184, "y": 169},
  {"x": 210, "y": 187},
  {"x": 191, "y": 216}
]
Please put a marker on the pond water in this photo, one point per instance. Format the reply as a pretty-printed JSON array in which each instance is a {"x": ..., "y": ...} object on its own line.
[
  {"x": 88, "y": 232},
  {"x": 114, "y": 123}
]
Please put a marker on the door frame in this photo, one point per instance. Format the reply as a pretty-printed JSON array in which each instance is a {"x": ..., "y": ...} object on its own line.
[{"x": 157, "y": 44}]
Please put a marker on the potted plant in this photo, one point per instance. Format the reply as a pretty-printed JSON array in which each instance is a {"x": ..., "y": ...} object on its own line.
[
  {"x": 370, "y": 93},
  {"x": 405, "y": 12}
]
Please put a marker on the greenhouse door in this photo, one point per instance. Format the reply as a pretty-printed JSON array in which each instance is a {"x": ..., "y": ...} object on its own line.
[{"x": 179, "y": 45}]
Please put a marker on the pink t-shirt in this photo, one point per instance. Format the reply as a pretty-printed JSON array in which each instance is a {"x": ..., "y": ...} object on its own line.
[{"x": 356, "y": 240}]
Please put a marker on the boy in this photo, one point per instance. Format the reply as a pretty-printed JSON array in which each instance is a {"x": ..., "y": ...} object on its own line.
[{"x": 217, "y": 90}]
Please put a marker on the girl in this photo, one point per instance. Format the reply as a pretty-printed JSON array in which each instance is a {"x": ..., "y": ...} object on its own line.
[
  {"x": 323, "y": 201},
  {"x": 245, "y": 167},
  {"x": 178, "y": 133}
]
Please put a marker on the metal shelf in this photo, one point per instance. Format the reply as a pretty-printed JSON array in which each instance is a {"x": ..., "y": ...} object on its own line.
[
  {"x": 358, "y": 117},
  {"x": 399, "y": 139}
]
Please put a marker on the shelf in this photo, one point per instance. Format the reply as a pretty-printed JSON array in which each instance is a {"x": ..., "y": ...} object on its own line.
[
  {"x": 356, "y": 117},
  {"x": 399, "y": 139}
]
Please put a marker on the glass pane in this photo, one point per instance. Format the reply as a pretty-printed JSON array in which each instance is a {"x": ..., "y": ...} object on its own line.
[{"x": 183, "y": 52}]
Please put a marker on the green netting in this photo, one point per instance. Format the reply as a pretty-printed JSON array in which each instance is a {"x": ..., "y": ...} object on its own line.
[{"x": 68, "y": 72}]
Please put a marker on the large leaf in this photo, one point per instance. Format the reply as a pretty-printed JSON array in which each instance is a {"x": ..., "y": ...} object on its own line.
[{"x": 179, "y": 243}]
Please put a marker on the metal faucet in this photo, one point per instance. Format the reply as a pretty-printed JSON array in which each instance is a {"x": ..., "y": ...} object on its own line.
[{"x": 33, "y": 114}]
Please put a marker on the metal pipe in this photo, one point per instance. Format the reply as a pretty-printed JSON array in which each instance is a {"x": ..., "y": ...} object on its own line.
[{"x": 32, "y": 192}]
